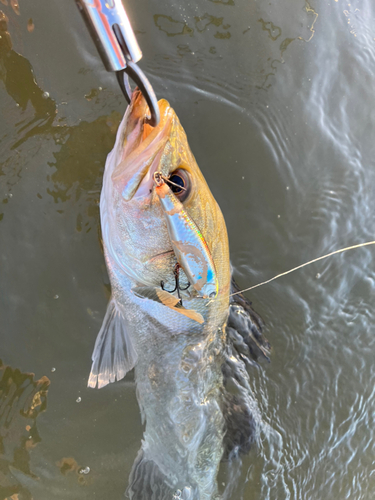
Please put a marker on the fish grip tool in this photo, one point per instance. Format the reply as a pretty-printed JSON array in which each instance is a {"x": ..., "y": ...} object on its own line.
[{"x": 117, "y": 45}]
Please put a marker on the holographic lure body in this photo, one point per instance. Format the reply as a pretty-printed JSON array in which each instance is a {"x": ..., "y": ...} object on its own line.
[{"x": 188, "y": 243}]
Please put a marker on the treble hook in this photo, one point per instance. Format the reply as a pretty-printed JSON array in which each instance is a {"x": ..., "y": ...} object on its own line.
[
  {"x": 114, "y": 38},
  {"x": 177, "y": 288}
]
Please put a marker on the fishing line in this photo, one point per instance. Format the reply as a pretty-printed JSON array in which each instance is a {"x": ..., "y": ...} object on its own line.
[{"x": 306, "y": 264}]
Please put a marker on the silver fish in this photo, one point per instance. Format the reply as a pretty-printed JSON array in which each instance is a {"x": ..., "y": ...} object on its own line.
[{"x": 178, "y": 351}]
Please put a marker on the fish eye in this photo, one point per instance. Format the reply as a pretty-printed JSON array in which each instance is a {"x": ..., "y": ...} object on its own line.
[{"x": 180, "y": 184}]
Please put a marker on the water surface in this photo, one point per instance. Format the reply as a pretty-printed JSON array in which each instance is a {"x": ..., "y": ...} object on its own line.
[{"x": 277, "y": 102}]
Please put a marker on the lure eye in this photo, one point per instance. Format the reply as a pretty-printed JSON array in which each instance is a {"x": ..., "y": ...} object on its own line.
[{"x": 180, "y": 184}]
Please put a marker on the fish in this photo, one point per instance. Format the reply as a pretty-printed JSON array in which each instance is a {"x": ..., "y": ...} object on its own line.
[{"x": 170, "y": 316}]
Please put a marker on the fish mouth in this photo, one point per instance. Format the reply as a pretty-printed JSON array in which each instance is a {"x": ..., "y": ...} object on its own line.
[{"x": 143, "y": 148}]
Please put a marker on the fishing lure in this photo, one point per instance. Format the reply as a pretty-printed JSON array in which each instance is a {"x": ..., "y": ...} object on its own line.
[{"x": 188, "y": 243}]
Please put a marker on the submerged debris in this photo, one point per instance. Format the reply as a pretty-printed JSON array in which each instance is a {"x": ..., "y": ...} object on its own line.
[{"x": 22, "y": 399}]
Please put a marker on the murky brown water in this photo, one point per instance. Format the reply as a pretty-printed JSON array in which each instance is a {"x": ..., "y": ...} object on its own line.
[{"x": 277, "y": 101}]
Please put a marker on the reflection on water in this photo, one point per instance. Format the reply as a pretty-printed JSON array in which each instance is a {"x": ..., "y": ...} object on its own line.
[
  {"x": 77, "y": 167},
  {"x": 17, "y": 74},
  {"x": 315, "y": 15},
  {"x": 223, "y": 2},
  {"x": 79, "y": 164},
  {"x": 172, "y": 27},
  {"x": 206, "y": 20},
  {"x": 20, "y": 84},
  {"x": 22, "y": 399},
  {"x": 223, "y": 34},
  {"x": 82, "y": 148},
  {"x": 274, "y": 33}
]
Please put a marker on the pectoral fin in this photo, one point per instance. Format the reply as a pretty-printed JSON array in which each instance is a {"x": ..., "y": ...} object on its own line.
[
  {"x": 167, "y": 299},
  {"x": 114, "y": 354}
]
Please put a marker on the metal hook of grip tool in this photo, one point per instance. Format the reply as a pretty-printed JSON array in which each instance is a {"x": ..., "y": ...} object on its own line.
[{"x": 114, "y": 38}]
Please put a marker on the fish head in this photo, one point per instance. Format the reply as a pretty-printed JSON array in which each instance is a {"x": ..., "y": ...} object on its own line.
[{"x": 138, "y": 233}]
